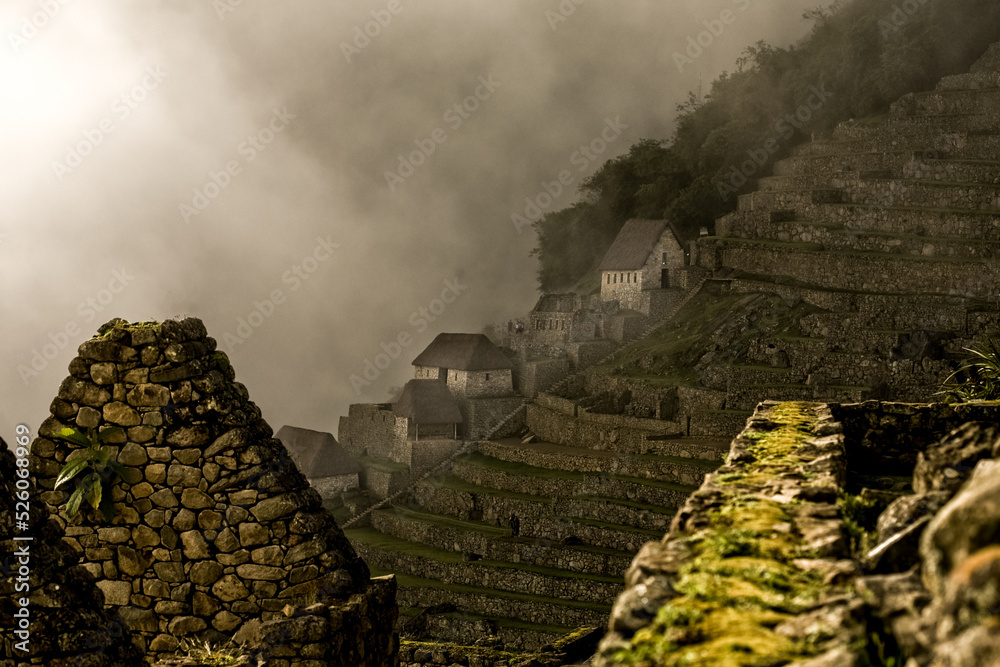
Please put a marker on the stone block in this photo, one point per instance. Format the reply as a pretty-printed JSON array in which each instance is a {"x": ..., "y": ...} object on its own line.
[
  {"x": 116, "y": 593},
  {"x": 230, "y": 588},
  {"x": 206, "y": 573},
  {"x": 149, "y": 396},
  {"x": 121, "y": 414}
]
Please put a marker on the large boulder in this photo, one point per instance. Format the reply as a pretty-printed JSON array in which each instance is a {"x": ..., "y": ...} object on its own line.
[
  {"x": 946, "y": 465},
  {"x": 968, "y": 523}
]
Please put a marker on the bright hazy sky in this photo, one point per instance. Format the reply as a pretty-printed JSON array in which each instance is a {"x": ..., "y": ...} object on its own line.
[{"x": 116, "y": 111}]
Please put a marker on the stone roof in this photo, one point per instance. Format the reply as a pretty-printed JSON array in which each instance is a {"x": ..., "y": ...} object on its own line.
[
  {"x": 634, "y": 244},
  {"x": 463, "y": 352},
  {"x": 428, "y": 402},
  {"x": 316, "y": 454}
]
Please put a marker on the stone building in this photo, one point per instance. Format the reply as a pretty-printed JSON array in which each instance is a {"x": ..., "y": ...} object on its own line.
[
  {"x": 646, "y": 255},
  {"x": 463, "y": 386},
  {"x": 552, "y": 317},
  {"x": 328, "y": 467},
  {"x": 430, "y": 410},
  {"x": 470, "y": 364}
]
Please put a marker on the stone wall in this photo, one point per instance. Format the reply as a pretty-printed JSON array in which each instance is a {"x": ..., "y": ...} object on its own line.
[
  {"x": 483, "y": 414},
  {"x": 667, "y": 254},
  {"x": 888, "y": 437},
  {"x": 331, "y": 487},
  {"x": 898, "y": 274},
  {"x": 383, "y": 483},
  {"x": 640, "y": 399},
  {"x": 624, "y": 327},
  {"x": 428, "y": 454},
  {"x": 538, "y": 376},
  {"x": 427, "y": 373},
  {"x": 320, "y": 635},
  {"x": 588, "y": 353},
  {"x": 711, "y": 587},
  {"x": 551, "y": 328},
  {"x": 481, "y": 384},
  {"x": 625, "y": 287},
  {"x": 64, "y": 622},
  {"x": 618, "y": 432},
  {"x": 658, "y": 303},
  {"x": 374, "y": 430},
  {"x": 215, "y": 529}
]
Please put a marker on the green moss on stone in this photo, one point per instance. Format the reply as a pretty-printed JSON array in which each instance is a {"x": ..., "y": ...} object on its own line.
[{"x": 741, "y": 580}]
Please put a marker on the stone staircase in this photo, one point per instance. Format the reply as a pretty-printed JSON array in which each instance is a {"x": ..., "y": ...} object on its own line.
[{"x": 892, "y": 227}]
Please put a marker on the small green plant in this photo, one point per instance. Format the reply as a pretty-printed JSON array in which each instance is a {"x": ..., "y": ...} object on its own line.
[
  {"x": 94, "y": 472},
  {"x": 216, "y": 656},
  {"x": 878, "y": 657},
  {"x": 860, "y": 516},
  {"x": 978, "y": 378}
]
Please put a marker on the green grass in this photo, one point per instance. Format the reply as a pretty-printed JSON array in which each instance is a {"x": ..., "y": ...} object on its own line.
[
  {"x": 504, "y": 533},
  {"x": 511, "y": 623},
  {"x": 614, "y": 526},
  {"x": 525, "y": 470},
  {"x": 377, "y": 540},
  {"x": 453, "y": 483},
  {"x": 668, "y": 511},
  {"x": 448, "y": 522},
  {"x": 677, "y": 460},
  {"x": 410, "y": 581}
]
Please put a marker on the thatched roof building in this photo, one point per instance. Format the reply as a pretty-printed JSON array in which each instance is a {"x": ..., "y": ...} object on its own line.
[
  {"x": 635, "y": 243},
  {"x": 463, "y": 352}
]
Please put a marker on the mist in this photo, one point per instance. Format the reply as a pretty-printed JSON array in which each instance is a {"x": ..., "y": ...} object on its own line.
[{"x": 314, "y": 179}]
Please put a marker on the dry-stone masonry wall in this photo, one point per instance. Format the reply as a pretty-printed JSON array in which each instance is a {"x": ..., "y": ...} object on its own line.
[
  {"x": 66, "y": 624},
  {"x": 934, "y": 578},
  {"x": 216, "y": 531},
  {"x": 756, "y": 563}
]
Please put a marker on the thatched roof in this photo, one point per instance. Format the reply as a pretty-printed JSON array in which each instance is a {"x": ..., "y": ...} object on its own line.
[
  {"x": 428, "y": 402},
  {"x": 463, "y": 352},
  {"x": 634, "y": 244},
  {"x": 316, "y": 454},
  {"x": 556, "y": 303}
]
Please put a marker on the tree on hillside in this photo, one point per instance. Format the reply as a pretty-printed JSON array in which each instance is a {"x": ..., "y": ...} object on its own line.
[{"x": 860, "y": 57}]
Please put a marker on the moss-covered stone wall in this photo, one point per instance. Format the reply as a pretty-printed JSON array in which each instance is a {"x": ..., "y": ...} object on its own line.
[{"x": 755, "y": 568}]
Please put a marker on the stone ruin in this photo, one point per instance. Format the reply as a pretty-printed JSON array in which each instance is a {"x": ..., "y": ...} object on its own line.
[
  {"x": 216, "y": 533},
  {"x": 901, "y": 574},
  {"x": 68, "y": 625}
]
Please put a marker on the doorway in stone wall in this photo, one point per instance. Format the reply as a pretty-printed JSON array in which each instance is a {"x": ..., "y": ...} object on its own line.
[{"x": 664, "y": 278}]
